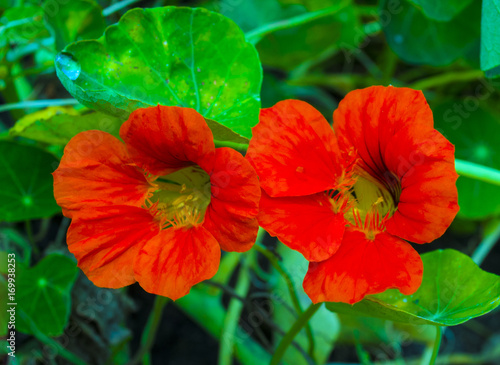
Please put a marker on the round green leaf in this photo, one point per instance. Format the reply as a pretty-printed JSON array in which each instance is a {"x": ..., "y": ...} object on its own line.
[
  {"x": 170, "y": 56},
  {"x": 25, "y": 173},
  {"x": 474, "y": 132},
  {"x": 454, "y": 290},
  {"x": 442, "y": 10},
  {"x": 43, "y": 294},
  {"x": 420, "y": 40}
]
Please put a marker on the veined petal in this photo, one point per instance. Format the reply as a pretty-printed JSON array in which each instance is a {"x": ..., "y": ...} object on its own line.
[
  {"x": 96, "y": 170},
  {"x": 106, "y": 241},
  {"x": 164, "y": 139},
  {"x": 176, "y": 259},
  {"x": 361, "y": 267},
  {"x": 424, "y": 164},
  {"x": 367, "y": 119},
  {"x": 294, "y": 150},
  {"x": 306, "y": 224},
  {"x": 231, "y": 216}
]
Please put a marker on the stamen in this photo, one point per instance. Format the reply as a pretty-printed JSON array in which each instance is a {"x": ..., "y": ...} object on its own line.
[{"x": 179, "y": 199}]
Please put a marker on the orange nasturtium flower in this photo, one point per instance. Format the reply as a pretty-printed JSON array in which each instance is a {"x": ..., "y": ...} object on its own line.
[
  {"x": 157, "y": 209},
  {"x": 349, "y": 198}
]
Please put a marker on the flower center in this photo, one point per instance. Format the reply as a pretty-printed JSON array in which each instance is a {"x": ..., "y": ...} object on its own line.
[
  {"x": 368, "y": 203},
  {"x": 181, "y": 198}
]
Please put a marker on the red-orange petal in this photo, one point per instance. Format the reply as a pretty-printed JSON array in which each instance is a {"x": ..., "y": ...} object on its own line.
[
  {"x": 164, "y": 139},
  {"x": 96, "y": 170},
  {"x": 231, "y": 216},
  {"x": 106, "y": 243},
  {"x": 294, "y": 150},
  {"x": 361, "y": 267},
  {"x": 424, "y": 163},
  {"x": 367, "y": 119},
  {"x": 175, "y": 260},
  {"x": 306, "y": 224}
]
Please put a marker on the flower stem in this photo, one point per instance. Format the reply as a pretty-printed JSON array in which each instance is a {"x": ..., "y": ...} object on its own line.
[
  {"x": 240, "y": 147},
  {"x": 444, "y": 79},
  {"x": 37, "y": 104},
  {"x": 149, "y": 333},
  {"x": 256, "y": 35},
  {"x": 486, "y": 245},
  {"x": 291, "y": 289},
  {"x": 292, "y": 332},
  {"x": 437, "y": 344},
  {"x": 51, "y": 343},
  {"x": 29, "y": 233},
  {"x": 226, "y": 349},
  {"x": 118, "y": 6},
  {"x": 478, "y": 172}
]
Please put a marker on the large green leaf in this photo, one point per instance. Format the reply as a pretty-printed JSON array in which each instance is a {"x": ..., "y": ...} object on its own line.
[
  {"x": 454, "y": 290},
  {"x": 43, "y": 294},
  {"x": 76, "y": 20},
  {"x": 25, "y": 173},
  {"x": 442, "y": 10},
  {"x": 474, "y": 132},
  {"x": 170, "y": 56},
  {"x": 420, "y": 40},
  {"x": 490, "y": 38},
  {"x": 56, "y": 125}
]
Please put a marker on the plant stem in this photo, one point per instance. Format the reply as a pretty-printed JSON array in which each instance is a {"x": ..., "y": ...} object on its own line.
[
  {"x": 118, "y": 6},
  {"x": 292, "y": 332},
  {"x": 18, "y": 22},
  {"x": 486, "y": 245},
  {"x": 37, "y": 104},
  {"x": 226, "y": 349},
  {"x": 291, "y": 289},
  {"x": 40, "y": 336},
  {"x": 240, "y": 147},
  {"x": 149, "y": 333},
  {"x": 256, "y": 35},
  {"x": 447, "y": 78},
  {"x": 29, "y": 233},
  {"x": 478, "y": 172},
  {"x": 437, "y": 344}
]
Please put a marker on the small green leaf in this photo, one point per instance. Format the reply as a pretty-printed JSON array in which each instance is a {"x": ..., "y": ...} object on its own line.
[
  {"x": 25, "y": 173},
  {"x": 490, "y": 38},
  {"x": 170, "y": 56},
  {"x": 474, "y": 132},
  {"x": 43, "y": 294},
  {"x": 419, "y": 40},
  {"x": 57, "y": 125},
  {"x": 77, "y": 20},
  {"x": 454, "y": 290},
  {"x": 442, "y": 10}
]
